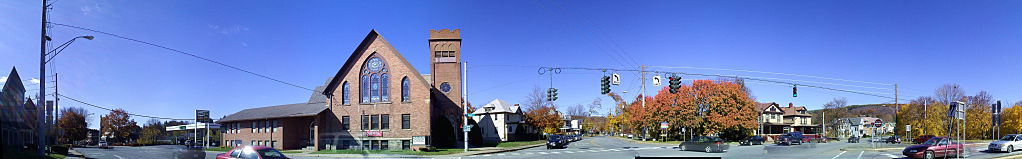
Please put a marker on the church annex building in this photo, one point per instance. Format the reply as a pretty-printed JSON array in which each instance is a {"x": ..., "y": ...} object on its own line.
[{"x": 377, "y": 100}]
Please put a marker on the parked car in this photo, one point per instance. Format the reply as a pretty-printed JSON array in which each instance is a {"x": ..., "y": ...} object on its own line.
[
  {"x": 833, "y": 139},
  {"x": 252, "y": 152},
  {"x": 935, "y": 147},
  {"x": 704, "y": 143},
  {"x": 190, "y": 152},
  {"x": 103, "y": 145},
  {"x": 1008, "y": 143},
  {"x": 853, "y": 139},
  {"x": 921, "y": 139},
  {"x": 893, "y": 140},
  {"x": 556, "y": 141},
  {"x": 790, "y": 138},
  {"x": 752, "y": 140}
]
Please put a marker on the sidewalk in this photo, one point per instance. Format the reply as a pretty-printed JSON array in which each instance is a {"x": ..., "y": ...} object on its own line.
[{"x": 74, "y": 154}]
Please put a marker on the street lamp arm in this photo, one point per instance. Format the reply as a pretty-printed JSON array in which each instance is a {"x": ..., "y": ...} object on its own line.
[{"x": 61, "y": 48}]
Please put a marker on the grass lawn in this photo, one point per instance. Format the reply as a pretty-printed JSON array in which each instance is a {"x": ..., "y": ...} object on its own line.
[
  {"x": 291, "y": 151},
  {"x": 402, "y": 152},
  {"x": 520, "y": 143},
  {"x": 29, "y": 154},
  {"x": 220, "y": 149}
]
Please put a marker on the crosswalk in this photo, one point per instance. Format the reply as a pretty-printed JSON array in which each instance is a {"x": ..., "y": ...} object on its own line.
[{"x": 570, "y": 151}]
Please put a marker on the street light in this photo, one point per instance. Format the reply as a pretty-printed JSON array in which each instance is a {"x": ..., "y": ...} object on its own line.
[{"x": 42, "y": 85}]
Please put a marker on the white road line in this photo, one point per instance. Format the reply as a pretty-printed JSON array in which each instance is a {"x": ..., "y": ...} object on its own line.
[
  {"x": 860, "y": 153},
  {"x": 555, "y": 152},
  {"x": 486, "y": 155},
  {"x": 838, "y": 155},
  {"x": 501, "y": 154},
  {"x": 569, "y": 151},
  {"x": 543, "y": 153},
  {"x": 119, "y": 157}
]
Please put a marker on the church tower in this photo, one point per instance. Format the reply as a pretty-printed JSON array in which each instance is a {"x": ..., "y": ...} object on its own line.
[{"x": 445, "y": 63}]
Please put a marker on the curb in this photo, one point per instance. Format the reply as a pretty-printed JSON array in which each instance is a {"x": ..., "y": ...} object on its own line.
[
  {"x": 630, "y": 140},
  {"x": 498, "y": 151}
]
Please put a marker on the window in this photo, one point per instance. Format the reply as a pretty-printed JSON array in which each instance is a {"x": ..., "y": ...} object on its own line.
[
  {"x": 383, "y": 145},
  {"x": 384, "y": 88},
  {"x": 254, "y": 127},
  {"x": 266, "y": 126},
  {"x": 406, "y": 121},
  {"x": 444, "y": 53},
  {"x": 274, "y": 126},
  {"x": 376, "y": 145},
  {"x": 375, "y": 85},
  {"x": 773, "y": 116},
  {"x": 375, "y": 125},
  {"x": 406, "y": 144},
  {"x": 273, "y": 143},
  {"x": 405, "y": 94},
  {"x": 365, "y": 122},
  {"x": 253, "y": 143},
  {"x": 344, "y": 93},
  {"x": 235, "y": 153},
  {"x": 365, "y": 144},
  {"x": 345, "y": 122},
  {"x": 385, "y": 121}
]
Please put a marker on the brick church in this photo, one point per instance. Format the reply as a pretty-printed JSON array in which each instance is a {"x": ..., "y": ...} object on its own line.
[{"x": 377, "y": 100}]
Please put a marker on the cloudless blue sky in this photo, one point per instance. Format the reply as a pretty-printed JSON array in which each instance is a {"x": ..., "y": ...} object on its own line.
[{"x": 919, "y": 45}]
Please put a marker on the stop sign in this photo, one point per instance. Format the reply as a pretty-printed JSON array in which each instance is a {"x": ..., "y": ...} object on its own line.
[{"x": 878, "y": 123}]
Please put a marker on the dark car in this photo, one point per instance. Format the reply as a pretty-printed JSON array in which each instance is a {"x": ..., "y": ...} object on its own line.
[
  {"x": 922, "y": 139},
  {"x": 790, "y": 138},
  {"x": 196, "y": 152},
  {"x": 933, "y": 148},
  {"x": 893, "y": 140},
  {"x": 556, "y": 141},
  {"x": 252, "y": 152},
  {"x": 752, "y": 140},
  {"x": 705, "y": 144},
  {"x": 853, "y": 139}
]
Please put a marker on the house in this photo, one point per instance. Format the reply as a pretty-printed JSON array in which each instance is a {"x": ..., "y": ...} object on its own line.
[
  {"x": 376, "y": 100},
  {"x": 499, "y": 121},
  {"x": 776, "y": 120},
  {"x": 18, "y": 120},
  {"x": 860, "y": 126}
]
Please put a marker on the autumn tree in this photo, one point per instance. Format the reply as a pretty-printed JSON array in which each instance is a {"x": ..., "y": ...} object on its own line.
[
  {"x": 677, "y": 109},
  {"x": 118, "y": 125},
  {"x": 73, "y": 122},
  {"x": 618, "y": 120},
  {"x": 545, "y": 118},
  {"x": 1011, "y": 119},
  {"x": 152, "y": 131},
  {"x": 727, "y": 109}
]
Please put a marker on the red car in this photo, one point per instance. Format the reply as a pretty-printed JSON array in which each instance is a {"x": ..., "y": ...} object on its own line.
[
  {"x": 922, "y": 139},
  {"x": 933, "y": 148},
  {"x": 252, "y": 152}
]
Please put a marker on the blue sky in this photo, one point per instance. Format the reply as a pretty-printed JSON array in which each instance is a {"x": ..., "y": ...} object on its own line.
[{"x": 918, "y": 45}]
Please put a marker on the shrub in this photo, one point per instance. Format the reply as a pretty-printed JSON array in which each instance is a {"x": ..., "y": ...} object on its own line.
[
  {"x": 60, "y": 149},
  {"x": 428, "y": 149}
]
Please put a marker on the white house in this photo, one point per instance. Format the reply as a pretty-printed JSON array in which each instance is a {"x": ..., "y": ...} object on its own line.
[{"x": 498, "y": 120}]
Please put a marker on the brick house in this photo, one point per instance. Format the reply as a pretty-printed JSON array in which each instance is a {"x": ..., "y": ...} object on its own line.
[{"x": 377, "y": 100}]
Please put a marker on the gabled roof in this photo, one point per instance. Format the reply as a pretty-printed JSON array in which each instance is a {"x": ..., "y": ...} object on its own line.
[
  {"x": 793, "y": 111},
  {"x": 317, "y": 97},
  {"x": 279, "y": 111},
  {"x": 763, "y": 107},
  {"x": 350, "y": 63},
  {"x": 498, "y": 106}
]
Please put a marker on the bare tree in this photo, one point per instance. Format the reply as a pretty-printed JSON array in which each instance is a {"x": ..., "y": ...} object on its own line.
[
  {"x": 836, "y": 103},
  {"x": 1017, "y": 103},
  {"x": 535, "y": 99},
  {"x": 949, "y": 93},
  {"x": 577, "y": 111}
]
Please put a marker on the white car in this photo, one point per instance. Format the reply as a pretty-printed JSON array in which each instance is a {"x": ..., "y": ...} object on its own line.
[
  {"x": 103, "y": 145},
  {"x": 1008, "y": 143}
]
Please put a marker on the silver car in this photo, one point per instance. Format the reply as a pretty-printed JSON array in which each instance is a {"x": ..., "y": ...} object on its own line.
[{"x": 1008, "y": 143}]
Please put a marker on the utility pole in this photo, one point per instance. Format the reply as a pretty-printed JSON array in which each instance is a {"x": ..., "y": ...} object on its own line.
[
  {"x": 643, "y": 94},
  {"x": 464, "y": 100},
  {"x": 56, "y": 108},
  {"x": 896, "y": 109},
  {"x": 42, "y": 84}
]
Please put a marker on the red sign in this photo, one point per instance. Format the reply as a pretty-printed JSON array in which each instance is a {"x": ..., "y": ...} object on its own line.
[
  {"x": 374, "y": 133},
  {"x": 878, "y": 123}
]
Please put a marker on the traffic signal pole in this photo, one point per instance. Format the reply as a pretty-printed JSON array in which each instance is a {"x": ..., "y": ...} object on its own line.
[{"x": 643, "y": 94}]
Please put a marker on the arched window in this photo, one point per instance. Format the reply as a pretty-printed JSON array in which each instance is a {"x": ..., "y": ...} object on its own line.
[
  {"x": 405, "y": 94},
  {"x": 344, "y": 93},
  {"x": 374, "y": 80}
]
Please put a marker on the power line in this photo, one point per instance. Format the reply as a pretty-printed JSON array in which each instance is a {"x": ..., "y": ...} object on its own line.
[
  {"x": 108, "y": 109},
  {"x": 186, "y": 53},
  {"x": 776, "y": 73}
]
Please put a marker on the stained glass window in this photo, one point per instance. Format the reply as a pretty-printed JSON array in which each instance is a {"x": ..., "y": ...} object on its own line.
[{"x": 375, "y": 80}]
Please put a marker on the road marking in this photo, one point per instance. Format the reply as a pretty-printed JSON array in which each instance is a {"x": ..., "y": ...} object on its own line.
[
  {"x": 838, "y": 155},
  {"x": 569, "y": 151},
  {"x": 486, "y": 155},
  {"x": 591, "y": 141},
  {"x": 119, "y": 157},
  {"x": 860, "y": 153},
  {"x": 543, "y": 153},
  {"x": 555, "y": 152}
]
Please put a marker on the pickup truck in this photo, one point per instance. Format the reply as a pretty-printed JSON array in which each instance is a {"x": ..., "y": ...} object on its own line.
[{"x": 790, "y": 138}]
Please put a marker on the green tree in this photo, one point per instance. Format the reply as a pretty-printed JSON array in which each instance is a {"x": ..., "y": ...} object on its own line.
[
  {"x": 118, "y": 125},
  {"x": 152, "y": 131}
]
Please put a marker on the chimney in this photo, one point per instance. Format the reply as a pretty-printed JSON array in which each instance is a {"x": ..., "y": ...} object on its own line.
[
  {"x": 516, "y": 105},
  {"x": 790, "y": 105}
]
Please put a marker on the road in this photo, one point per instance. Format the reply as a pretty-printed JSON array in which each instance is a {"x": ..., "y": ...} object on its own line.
[{"x": 605, "y": 147}]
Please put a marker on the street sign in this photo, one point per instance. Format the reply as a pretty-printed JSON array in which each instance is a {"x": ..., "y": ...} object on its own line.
[
  {"x": 663, "y": 125},
  {"x": 470, "y": 115},
  {"x": 878, "y": 123},
  {"x": 202, "y": 116},
  {"x": 656, "y": 80},
  {"x": 615, "y": 79}
]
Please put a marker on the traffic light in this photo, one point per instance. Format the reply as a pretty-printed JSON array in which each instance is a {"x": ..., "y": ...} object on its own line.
[
  {"x": 605, "y": 85},
  {"x": 675, "y": 82},
  {"x": 551, "y": 94},
  {"x": 794, "y": 91}
]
